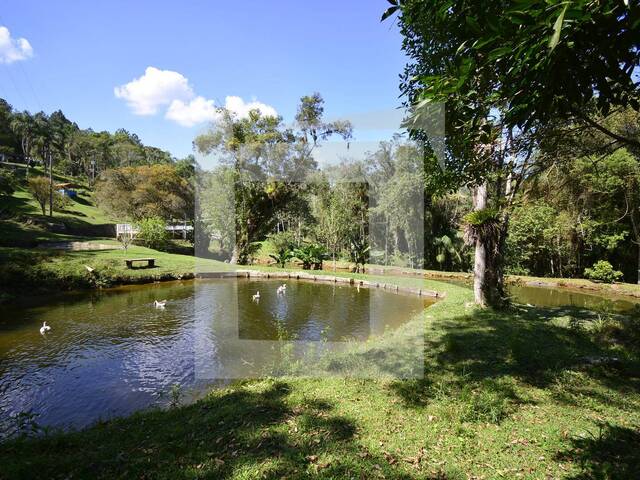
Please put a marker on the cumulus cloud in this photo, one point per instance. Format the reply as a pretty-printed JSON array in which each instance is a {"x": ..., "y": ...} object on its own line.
[
  {"x": 13, "y": 49},
  {"x": 242, "y": 109},
  {"x": 197, "y": 111},
  {"x": 154, "y": 89},
  {"x": 158, "y": 88},
  {"x": 200, "y": 110}
]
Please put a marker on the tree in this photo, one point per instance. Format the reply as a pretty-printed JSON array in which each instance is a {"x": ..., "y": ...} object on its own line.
[
  {"x": 39, "y": 188},
  {"x": 269, "y": 164},
  {"x": 23, "y": 127},
  {"x": 144, "y": 192},
  {"x": 552, "y": 59},
  {"x": 504, "y": 72},
  {"x": 334, "y": 219}
]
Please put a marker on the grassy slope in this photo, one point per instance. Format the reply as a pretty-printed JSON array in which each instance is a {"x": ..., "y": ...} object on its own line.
[
  {"x": 504, "y": 396},
  {"x": 23, "y": 219}
]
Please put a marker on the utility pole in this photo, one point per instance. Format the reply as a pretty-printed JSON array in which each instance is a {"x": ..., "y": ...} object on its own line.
[{"x": 50, "y": 182}]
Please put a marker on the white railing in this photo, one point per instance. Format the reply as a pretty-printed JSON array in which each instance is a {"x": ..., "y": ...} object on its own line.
[
  {"x": 126, "y": 228},
  {"x": 129, "y": 229}
]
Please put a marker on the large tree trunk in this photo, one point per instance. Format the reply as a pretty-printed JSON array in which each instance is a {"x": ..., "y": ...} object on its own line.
[
  {"x": 480, "y": 259},
  {"x": 488, "y": 278},
  {"x": 235, "y": 254}
]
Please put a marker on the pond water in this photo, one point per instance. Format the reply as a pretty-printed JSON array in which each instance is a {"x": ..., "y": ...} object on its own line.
[
  {"x": 565, "y": 297},
  {"x": 112, "y": 352}
]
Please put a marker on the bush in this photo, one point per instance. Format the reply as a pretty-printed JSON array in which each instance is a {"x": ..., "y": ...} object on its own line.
[
  {"x": 282, "y": 240},
  {"x": 602, "y": 271},
  {"x": 60, "y": 201},
  {"x": 311, "y": 256},
  {"x": 8, "y": 182},
  {"x": 39, "y": 189},
  {"x": 153, "y": 233}
]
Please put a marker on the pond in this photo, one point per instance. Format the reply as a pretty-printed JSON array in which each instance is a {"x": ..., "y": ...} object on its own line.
[
  {"x": 564, "y": 297},
  {"x": 542, "y": 296},
  {"x": 112, "y": 352}
]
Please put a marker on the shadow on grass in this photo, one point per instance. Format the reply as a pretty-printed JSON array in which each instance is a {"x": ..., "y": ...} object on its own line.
[
  {"x": 612, "y": 452},
  {"x": 245, "y": 433},
  {"x": 490, "y": 350}
]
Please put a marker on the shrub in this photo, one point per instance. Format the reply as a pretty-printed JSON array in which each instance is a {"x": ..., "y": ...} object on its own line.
[
  {"x": 282, "y": 240},
  {"x": 282, "y": 256},
  {"x": 60, "y": 201},
  {"x": 153, "y": 233},
  {"x": 8, "y": 182},
  {"x": 602, "y": 271},
  {"x": 39, "y": 188},
  {"x": 311, "y": 256}
]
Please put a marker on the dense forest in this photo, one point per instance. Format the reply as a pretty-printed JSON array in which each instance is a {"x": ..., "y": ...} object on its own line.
[
  {"x": 40, "y": 137},
  {"x": 581, "y": 206}
]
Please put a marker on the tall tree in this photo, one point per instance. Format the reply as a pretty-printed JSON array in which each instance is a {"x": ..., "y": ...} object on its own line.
[
  {"x": 505, "y": 71},
  {"x": 269, "y": 162}
]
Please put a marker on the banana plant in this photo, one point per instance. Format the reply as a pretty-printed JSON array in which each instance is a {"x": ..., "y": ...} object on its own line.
[
  {"x": 282, "y": 256},
  {"x": 359, "y": 252},
  {"x": 311, "y": 256}
]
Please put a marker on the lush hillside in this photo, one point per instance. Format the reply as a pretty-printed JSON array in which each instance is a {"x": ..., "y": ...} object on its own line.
[{"x": 22, "y": 222}]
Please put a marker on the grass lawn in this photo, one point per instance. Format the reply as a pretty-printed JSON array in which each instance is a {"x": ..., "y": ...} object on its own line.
[
  {"x": 47, "y": 269},
  {"x": 505, "y": 395},
  {"x": 23, "y": 224}
]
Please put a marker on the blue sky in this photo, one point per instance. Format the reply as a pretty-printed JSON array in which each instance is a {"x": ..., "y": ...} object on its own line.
[{"x": 271, "y": 52}]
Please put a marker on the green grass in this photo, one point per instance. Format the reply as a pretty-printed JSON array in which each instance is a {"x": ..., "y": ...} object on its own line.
[
  {"x": 23, "y": 224},
  {"x": 46, "y": 269},
  {"x": 504, "y": 395}
]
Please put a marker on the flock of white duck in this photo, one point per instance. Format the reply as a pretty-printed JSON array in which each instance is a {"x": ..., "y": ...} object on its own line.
[{"x": 160, "y": 304}]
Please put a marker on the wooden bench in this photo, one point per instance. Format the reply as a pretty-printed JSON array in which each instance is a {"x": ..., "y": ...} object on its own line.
[{"x": 151, "y": 262}]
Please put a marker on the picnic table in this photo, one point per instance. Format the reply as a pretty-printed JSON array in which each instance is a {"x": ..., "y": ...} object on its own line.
[{"x": 151, "y": 262}]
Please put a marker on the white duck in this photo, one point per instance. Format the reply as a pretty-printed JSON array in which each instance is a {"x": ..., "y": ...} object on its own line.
[
  {"x": 256, "y": 297},
  {"x": 282, "y": 289},
  {"x": 44, "y": 328},
  {"x": 159, "y": 304}
]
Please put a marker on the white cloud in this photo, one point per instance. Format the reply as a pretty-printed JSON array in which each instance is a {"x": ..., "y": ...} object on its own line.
[
  {"x": 197, "y": 111},
  {"x": 200, "y": 110},
  {"x": 242, "y": 109},
  {"x": 13, "y": 49},
  {"x": 154, "y": 89}
]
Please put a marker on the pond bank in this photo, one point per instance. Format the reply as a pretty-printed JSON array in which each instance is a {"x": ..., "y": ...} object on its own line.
[
  {"x": 577, "y": 284},
  {"x": 47, "y": 270}
]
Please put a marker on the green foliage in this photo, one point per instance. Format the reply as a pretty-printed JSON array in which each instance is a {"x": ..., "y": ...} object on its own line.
[
  {"x": 311, "y": 255},
  {"x": 282, "y": 256},
  {"x": 282, "y": 240},
  {"x": 602, "y": 271},
  {"x": 478, "y": 218},
  {"x": 541, "y": 59},
  {"x": 449, "y": 249},
  {"x": 153, "y": 233},
  {"x": 147, "y": 191},
  {"x": 539, "y": 240},
  {"x": 359, "y": 252},
  {"x": 283, "y": 243},
  {"x": 268, "y": 163},
  {"x": 39, "y": 188},
  {"x": 8, "y": 182},
  {"x": 30, "y": 137}
]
